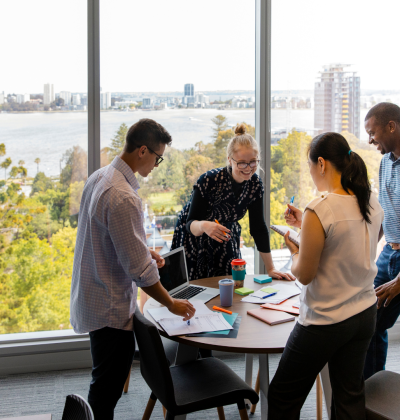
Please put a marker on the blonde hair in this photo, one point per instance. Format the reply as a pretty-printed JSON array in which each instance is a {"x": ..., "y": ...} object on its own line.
[{"x": 241, "y": 139}]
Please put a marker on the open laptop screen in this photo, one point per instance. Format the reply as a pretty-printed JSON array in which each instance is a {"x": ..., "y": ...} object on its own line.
[{"x": 173, "y": 274}]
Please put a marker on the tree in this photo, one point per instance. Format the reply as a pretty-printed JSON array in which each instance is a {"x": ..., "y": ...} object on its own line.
[
  {"x": 75, "y": 169},
  {"x": 41, "y": 183},
  {"x": 2, "y": 149},
  {"x": 21, "y": 163},
  {"x": 220, "y": 124},
  {"x": 5, "y": 164},
  {"x": 118, "y": 142},
  {"x": 37, "y": 161}
]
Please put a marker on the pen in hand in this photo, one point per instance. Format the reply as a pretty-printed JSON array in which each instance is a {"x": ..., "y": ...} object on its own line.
[{"x": 291, "y": 202}]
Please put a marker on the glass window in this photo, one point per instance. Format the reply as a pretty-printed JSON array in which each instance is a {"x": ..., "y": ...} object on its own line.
[
  {"x": 322, "y": 82},
  {"x": 190, "y": 67},
  {"x": 43, "y": 159}
]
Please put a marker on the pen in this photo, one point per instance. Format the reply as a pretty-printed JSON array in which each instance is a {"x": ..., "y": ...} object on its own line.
[
  {"x": 216, "y": 221},
  {"x": 291, "y": 202},
  {"x": 263, "y": 297},
  {"x": 222, "y": 310},
  {"x": 188, "y": 322}
]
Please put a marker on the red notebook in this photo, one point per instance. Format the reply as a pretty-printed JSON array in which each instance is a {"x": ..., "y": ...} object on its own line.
[
  {"x": 270, "y": 317},
  {"x": 285, "y": 307}
]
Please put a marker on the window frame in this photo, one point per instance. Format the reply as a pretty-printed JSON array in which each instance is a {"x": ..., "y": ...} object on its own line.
[{"x": 22, "y": 348}]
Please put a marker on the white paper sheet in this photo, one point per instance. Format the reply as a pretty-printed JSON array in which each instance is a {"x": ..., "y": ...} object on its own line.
[
  {"x": 285, "y": 291},
  {"x": 198, "y": 324},
  {"x": 163, "y": 312},
  {"x": 298, "y": 284}
]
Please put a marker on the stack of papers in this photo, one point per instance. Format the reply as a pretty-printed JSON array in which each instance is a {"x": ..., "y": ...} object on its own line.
[
  {"x": 283, "y": 292},
  {"x": 203, "y": 321}
]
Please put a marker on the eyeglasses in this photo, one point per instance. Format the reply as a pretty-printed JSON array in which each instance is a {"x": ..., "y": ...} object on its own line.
[
  {"x": 243, "y": 165},
  {"x": 159, "y": 158}
]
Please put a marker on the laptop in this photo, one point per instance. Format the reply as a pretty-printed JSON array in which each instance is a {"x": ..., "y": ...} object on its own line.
[{"x": 174, "y": 277}]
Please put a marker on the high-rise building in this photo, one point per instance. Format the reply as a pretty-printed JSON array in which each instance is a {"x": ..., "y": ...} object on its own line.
[
  {"x": 105, "y": 100},
  {"x": 146, "y": 103},
  {"x": 337, "y": 100},
  {"x": 2, "y": 96},
  {"x": 76, "y": 99},
  {"x": 189, "y": 89},
  {"x": 48, "y": 94},
  {"x": 22, "y": 98},
  {"x": 66, "y": 96}
]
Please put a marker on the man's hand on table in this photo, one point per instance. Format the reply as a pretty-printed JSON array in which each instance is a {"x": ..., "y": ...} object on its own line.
[
  {"x": 387, "y": 292},
  {"x": 158, "y": 258},
  {"x": 182, "y": 307}
]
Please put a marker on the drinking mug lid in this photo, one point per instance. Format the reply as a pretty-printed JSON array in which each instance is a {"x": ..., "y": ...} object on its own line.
[{"x": 238, "y": 262}]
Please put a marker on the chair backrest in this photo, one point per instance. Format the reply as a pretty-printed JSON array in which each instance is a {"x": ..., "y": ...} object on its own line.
[
  {"x": 76, "y": 408},
  {"x": 154, "y": 365}
]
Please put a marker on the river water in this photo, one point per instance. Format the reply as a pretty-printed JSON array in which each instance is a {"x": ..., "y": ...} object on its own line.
[{"x": 48, "y": 135}]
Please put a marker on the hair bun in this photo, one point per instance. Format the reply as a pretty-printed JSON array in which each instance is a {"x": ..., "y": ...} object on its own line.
[{"x": 240, "y": 129}]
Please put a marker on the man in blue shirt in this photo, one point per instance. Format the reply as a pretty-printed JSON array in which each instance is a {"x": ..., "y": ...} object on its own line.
[
  {"x": 382, "y": 124},
  {"x": 112, "y": 260}
]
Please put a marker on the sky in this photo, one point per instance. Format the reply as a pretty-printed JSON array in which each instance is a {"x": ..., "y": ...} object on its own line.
[{"x": 159, "y": 45}]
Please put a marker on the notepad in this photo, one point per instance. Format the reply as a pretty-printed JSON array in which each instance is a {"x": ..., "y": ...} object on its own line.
[
  {"x": 282, "y": 230},
  {"x": 283, "y": 307},
  {"x": 263, "y": 279},
  {"x": 271, "y": 317}
]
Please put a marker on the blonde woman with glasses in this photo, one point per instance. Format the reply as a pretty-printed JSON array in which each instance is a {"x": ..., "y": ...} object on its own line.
[{"x": 224, "y": 195}]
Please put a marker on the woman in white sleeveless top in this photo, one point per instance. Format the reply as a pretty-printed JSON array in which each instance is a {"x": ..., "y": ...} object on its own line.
[{"x": 335, "y": 263}]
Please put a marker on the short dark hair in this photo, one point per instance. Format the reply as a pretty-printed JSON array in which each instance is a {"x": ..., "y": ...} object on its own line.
[
  {"x": 383, "y": 113},
  {"x": 146, "y": 132}
]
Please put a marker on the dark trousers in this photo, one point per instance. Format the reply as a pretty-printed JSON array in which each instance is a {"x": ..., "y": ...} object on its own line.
[
  {"x": 388, "y": 268},
  {"x": 112, "y": 354},
  {"x": 343, "y": 346}
]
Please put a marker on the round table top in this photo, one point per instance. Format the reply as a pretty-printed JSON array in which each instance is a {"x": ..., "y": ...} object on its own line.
[{"x": 254, "y": 336}]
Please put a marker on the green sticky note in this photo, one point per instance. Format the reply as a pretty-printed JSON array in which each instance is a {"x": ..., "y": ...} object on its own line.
[
  {"x": 244, "y": 291},
  {"x": 269, "y": 290}
]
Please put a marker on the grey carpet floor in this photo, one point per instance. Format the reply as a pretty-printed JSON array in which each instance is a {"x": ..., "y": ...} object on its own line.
[{"x": 45, "y": 392}]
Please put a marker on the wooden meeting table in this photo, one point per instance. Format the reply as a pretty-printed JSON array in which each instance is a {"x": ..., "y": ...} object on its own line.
[{"x": 254, "y": 337}]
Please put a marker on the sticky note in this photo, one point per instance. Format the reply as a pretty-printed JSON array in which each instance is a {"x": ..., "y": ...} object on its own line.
[
  {"x": 269, "y": 290},
  {"x": 263, "y": 279},
  {"x": 244, "y": 291}
]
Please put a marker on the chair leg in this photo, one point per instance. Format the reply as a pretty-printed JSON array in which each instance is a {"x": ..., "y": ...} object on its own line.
[
  {"x": 126, "y": 386},
  {"x": 164, "y": 410},
  {"x": 257, "y": 389},
  {"x": 150, "y": 406},
  {"x": 242, "y": 410},
  {"x": 221, "y": 413},
  {"x": 319, "y": 398},
  {"x": 169, "y": 416}
]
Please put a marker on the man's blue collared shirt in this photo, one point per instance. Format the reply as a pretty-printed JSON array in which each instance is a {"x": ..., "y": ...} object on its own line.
[
  {"x": 389, "y": 196},
  {"x": 111, "y": 257}
]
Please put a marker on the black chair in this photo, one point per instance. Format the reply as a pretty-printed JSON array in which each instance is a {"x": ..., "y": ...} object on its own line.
[
  {"x": 76, "y": 408},
  {"x": 382, "y": 396},
  {"x": 198, "y": 385}
]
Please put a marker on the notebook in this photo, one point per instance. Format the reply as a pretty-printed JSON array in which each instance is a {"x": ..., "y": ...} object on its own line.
[
  {"x": 270, "y": 317},
  {"x": 293, "y": 236},
  {"x": 284, "y": 307}
]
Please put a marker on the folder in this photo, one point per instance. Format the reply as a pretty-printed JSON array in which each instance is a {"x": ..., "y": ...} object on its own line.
[{"x": 270, "y": 317}]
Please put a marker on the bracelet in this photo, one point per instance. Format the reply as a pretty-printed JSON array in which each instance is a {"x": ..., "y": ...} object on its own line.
[{"x": 294, "y": 254}]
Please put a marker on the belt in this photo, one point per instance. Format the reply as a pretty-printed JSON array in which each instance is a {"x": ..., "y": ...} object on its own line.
[{"x": 394, "y": 246}]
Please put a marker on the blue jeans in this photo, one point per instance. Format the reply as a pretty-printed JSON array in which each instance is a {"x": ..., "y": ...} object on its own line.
[{"x": 388, "y": 268}]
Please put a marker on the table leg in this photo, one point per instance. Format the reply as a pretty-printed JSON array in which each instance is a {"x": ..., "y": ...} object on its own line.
[
  {"x": 264, "y": 385},
  {"x": 185, "y": 354},
  {"x": 326, "y": 388},
  {"x": 248, "y": 372}
]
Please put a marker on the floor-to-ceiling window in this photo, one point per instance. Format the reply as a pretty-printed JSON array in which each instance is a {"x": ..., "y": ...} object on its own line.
[
  {"x": 43, "y": 158},
  {"x": 331, "y": 62}
]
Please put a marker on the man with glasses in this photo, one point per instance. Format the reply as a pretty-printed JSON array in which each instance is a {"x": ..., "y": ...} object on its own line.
[{"x": 112, "y": 260}]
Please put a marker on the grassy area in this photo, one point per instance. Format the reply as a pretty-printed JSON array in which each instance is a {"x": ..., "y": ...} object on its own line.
[{"x": 165, "y": 199}]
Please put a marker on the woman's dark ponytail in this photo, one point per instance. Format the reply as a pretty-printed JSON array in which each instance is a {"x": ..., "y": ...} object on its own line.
[{"x": 334, "y": 148}]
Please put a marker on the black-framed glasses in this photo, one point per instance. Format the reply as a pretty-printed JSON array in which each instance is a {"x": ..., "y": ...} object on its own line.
[
  {"x": 159, "y": 158},
  {"x": 243, "y": 165}
]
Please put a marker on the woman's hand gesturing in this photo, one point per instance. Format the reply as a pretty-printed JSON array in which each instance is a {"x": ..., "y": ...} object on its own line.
[
  {"x": 215, "y": 231},
  {"x": 295, "y": 217}
]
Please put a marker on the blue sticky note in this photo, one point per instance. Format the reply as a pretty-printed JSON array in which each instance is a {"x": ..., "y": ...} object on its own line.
[{"x": 263, "y": 279}]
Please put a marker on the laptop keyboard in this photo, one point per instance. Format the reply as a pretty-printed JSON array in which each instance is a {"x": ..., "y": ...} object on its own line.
[{"x": 189, "y": 292}]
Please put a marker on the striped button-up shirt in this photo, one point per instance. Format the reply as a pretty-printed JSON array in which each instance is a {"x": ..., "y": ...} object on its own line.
[
  {"x": 389, "y": 196},
  {"x": 111, "y": 257}
]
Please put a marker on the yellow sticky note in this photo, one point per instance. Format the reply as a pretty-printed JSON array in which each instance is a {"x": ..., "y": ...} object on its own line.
[{"x": 269, "y": 290}]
